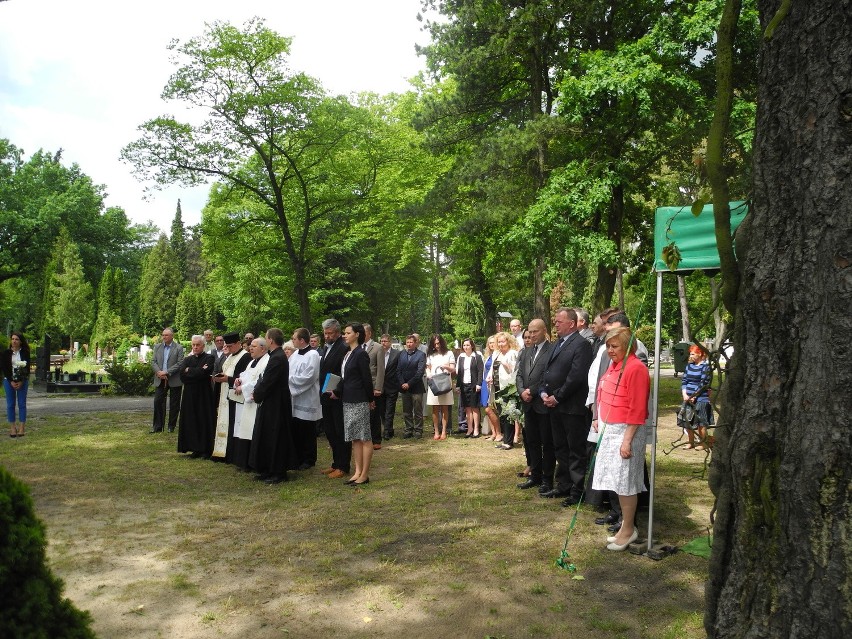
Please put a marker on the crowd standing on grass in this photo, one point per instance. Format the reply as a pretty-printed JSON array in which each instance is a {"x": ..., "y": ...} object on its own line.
[{"x": 261, "y": 403}]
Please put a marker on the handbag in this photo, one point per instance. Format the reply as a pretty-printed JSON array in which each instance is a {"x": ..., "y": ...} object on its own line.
[
  {"x": 686, "y": 416},
  {"x": 440, "y": 383}
]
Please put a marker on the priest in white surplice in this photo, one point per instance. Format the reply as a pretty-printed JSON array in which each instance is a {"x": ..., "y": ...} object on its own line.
[
  {"x": 244, "y": 426},
  {"x": 236, "y": 362},
  {"x": 304, "y": 389}
]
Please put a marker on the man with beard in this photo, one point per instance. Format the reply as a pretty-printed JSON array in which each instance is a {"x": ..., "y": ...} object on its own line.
[
  {"x": 197, "y": 422},
  {"x": 272, "y": 444},
  {"x": 231, "y": 366}
]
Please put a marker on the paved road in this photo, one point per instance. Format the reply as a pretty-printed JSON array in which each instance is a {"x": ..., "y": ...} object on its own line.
[{"x": 42, "y": 403}]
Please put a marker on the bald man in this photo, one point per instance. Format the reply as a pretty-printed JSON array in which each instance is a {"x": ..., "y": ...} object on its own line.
[{"x": 538, "y": 441}]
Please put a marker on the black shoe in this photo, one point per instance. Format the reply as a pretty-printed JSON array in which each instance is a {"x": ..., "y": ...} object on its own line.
[
  {"x": 556, "y": 493},
  {"x": 154, "y": 430},
  {"x": 388, "y": 435},
  {"x": 570, "y": 501},
  {"x": 609, "y": 518},
  {"x": 195, "y": 455},
  {"x": 275, "y": 479},
  {"x": 407, "y": 436},
  {"x": 305, "y": 466},
  {"x": 544, "y": 488},
  {"x": 614, "y": 528},
  {"x": 261, "y": 477},
  {"x": 171, "y": 430},
  {"x": 529, "y": 483}
]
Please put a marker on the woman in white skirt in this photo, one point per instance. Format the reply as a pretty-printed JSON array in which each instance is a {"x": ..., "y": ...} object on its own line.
[
  {"x": 622, "y": 411},
  {"x": 439, "y": 359}
]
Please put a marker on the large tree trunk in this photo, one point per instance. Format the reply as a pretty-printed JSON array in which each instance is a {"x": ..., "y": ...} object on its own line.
[
  {"x": 605, "y": 286},
  {"x": 541, "y": 301},
  {"x": 782, "y": 470}
]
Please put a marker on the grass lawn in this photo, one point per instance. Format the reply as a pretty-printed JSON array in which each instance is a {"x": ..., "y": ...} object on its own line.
[{"x": 441, "y": 543}]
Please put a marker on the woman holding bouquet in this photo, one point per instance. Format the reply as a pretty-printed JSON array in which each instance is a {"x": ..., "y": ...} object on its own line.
[{"x": 16, "y": 379}]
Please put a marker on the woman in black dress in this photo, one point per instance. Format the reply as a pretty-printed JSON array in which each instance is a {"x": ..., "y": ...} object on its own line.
[{"x": 356, "y": 391}]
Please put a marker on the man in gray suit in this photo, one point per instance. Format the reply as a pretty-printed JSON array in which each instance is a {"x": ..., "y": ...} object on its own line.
[{"x": 168, "y": 355}]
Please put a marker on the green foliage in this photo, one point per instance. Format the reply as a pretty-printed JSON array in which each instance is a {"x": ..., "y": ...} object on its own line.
[
  {"x": 177, "y": 242},
  {"x": 467, "y": 314},
  {"x": 129, "y": 379},
  {"x": 194, "y": 312},
  {"x": 71, "y": 299},
  {"x": 159, "y": 287},
  {"x": 32, "y": 604}
]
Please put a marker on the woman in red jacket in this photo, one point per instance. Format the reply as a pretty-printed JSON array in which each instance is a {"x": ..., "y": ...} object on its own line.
[{"x": 622, "y": 412}]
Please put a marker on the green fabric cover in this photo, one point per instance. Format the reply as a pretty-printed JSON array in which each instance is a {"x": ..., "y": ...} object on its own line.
[{"x": 694, "y": 236}]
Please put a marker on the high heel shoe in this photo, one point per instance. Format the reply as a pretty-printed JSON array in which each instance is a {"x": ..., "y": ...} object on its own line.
[{"x": 614, "y": 546}]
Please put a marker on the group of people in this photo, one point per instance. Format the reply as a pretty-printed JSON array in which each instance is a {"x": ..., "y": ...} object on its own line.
[
  {"x": 586, "y": 390},
  {"x": 257, "y": 402},
  {"x": 261, "y": 407}
]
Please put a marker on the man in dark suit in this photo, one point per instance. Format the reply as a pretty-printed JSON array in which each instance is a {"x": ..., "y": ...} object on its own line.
[
  {"x": 563, "y": 392},
  {"x": 538, "y": 441},
  {"x": 332, "y": 409},
  {"x": 377, "y": 374},
  {"x": 410, "y": 368},
  {"x": 272, "y": 450},
  {"x": 386, "y": 402},
  {"x": 168, "y": 355}
]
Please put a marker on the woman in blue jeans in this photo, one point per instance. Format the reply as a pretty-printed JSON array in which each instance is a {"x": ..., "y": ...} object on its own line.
[{"x": 15, "y": 362}]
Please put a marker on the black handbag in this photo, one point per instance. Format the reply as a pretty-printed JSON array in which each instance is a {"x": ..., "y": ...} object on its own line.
[{"x": 440, "y": 383}]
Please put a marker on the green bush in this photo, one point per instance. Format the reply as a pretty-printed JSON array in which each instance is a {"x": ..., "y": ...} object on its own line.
[
  {"x": 32, "y": 604},
  {"x": 129, "y": 379}
]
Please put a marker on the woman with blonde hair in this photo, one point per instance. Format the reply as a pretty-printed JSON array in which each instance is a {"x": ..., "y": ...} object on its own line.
[
  {"x": 622, "y": 411},
  {"x": 503, "y": 373},
  {"x": 491, "y": 424}
]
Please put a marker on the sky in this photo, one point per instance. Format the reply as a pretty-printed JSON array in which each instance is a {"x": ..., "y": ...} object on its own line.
[{"x": 83, "y": 75}]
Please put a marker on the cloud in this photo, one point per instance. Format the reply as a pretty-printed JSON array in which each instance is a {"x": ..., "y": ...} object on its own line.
[{"x": 83, "y": 76}]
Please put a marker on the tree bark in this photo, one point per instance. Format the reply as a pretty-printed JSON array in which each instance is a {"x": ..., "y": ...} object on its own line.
[
  {"x": 605, "y": 286},
  {"x": 782, "y": 554}
]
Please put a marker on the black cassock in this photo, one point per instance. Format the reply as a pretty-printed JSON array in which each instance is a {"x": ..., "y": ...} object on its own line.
[
  {"x": 197, "y": 417},
  {"x": 272, "y": 450}
]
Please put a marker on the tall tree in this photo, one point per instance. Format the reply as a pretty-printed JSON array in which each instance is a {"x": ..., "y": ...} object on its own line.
[
  {"x": 73, "y": 305},
  {"x": 272, "y": 138},
  {"x": 177, "y": 242},
  {"x": 159, "y": 287},
  {"x": 780, "y": 565}
]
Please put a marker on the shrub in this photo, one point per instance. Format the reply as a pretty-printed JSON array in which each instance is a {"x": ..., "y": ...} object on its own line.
[
  {"x": 32, "y": 604},
  {"x": 129, "y": 379}
]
